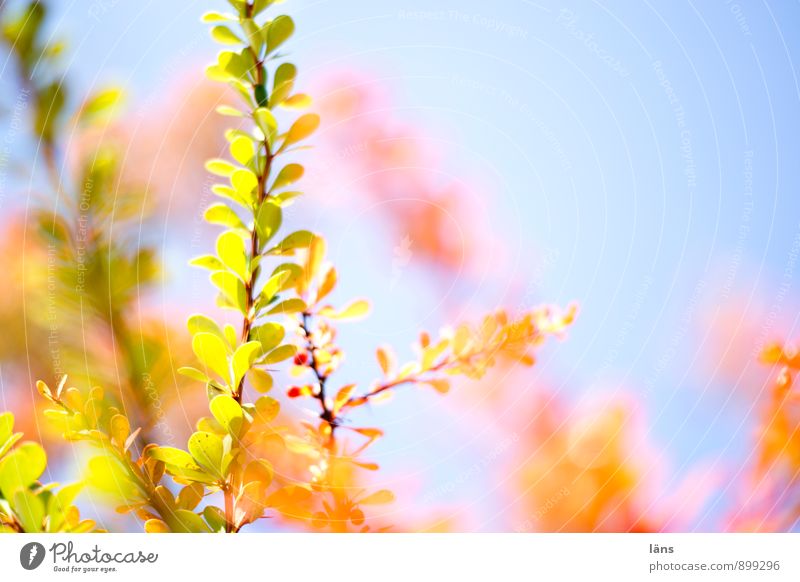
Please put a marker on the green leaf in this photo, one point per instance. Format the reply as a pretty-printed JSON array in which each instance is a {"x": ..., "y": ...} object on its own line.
[
  {"x": 289, "y": 174},
  {"x": 101, "y": 105},
  {"x": 261, "y": 380},
  {"x": 222, "y": 214},
  {"x": 243, "y": 359},
  {"x": 233, "y": 65},
  {"x": 207, "y": 449},
  {"x": 190, "y": 522},
  {"x": 280, "y": 354},
  {"x": 245, "y": 183},
  {"x": 285, "y": 198},
  {"x": 278, "y": 32},
  {"x": 224, "y": 35},
  {"x": 211, "y": 350},
  {"x": 288, "y": 306},
  {"x": 231, "y": 194},
  {"x": 209, "y": 262},
  {"x": 228, "y": 413},
  {"x": 268, "y": 220},
  {"x": 282, "y": 84},
  {"x": 229, "y": 111},
  {"x": 30, "y": 510},
  {"x": 220, "y": 167},
  {"x": 273, "y": 286},
  {"x": 199, "y": 323},
  {"x": 297, "y": 240},
  {"x": 21, "y": 468},
  {"x": 268, "y": 335},
  {"x": 107, "y": 475},
  {"x": 231, "y": 251},
  {"x": 6, "y": 445},
  {"x": 215, "y": 518},
  {"x": 50, "y": 102},
  {"x": 232, "y": 290},
  {"x": 242, "y": 150},
  {"x": 213, "y": 16},
  {"x": 294, "y": 271},
  {"x": 194, "y": 374},
  {"x": 266, "y": 123},
  {"x": 301, "y": 129},
  {"x": 6, "y": 426},
  {"x": 230, "y": 334},
  {"x": 173, "y": 456}
]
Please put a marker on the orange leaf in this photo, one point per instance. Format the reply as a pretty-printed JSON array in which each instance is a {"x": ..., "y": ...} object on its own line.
[{"x": 327, "y": 284}]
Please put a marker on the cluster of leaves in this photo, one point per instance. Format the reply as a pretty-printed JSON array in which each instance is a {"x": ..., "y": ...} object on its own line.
[
  {"x": 277, "y": 287},
  {"x": 26, "y": 504},
  {"x": 466, "y": 351},
  {"x": 99, "y": 266}
]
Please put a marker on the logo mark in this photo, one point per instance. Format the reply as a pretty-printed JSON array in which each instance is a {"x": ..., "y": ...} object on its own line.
[{"x": 31, "y": 555}]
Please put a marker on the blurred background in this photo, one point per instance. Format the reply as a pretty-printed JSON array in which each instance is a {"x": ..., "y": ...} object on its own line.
[{"x": 637, "y": 160}]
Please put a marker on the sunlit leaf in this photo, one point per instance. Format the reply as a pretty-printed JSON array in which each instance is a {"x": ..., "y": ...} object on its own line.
[
  {"x": 228, "y": 413},
  {"x": 207, "y": 449},
  {"x": 231, "y": 251},
  {"x": 224, "y": 35},
  {"x": 301, "y": 129},
  {"x": 243, "y": 359},
  {"x": 211, "y": 350},
  {"x": 21, "y": 468},
  {"x": 278, "y": 32},
  {"x": 289, "y": 174}
]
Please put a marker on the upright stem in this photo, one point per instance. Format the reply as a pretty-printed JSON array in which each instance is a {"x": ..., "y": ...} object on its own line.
[
  {"x": 228, "y": 493},
  {"x": 326, "y": 413},
  {"x": 255, "y": 245}
]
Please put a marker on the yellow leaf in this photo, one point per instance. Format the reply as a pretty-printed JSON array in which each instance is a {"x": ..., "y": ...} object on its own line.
[
  {"x": 120, "y": 428},
  {"x": 378, "y": 498},
  {"x": 155, "y": 526}
]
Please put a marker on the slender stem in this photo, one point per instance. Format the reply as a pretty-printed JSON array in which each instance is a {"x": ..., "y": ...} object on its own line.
[
  {"x": 228, "y": 493},
  {"x": 357, "y": 400},
  {"x": 255, "y": 245},
  {"x": 326, "y": 413}
]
